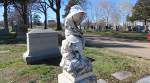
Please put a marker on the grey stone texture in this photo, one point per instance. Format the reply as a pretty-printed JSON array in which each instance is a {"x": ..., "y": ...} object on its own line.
[{"x": 41, "y": 44}]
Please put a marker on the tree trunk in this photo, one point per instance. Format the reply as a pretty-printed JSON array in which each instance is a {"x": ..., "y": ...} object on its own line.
[
  {"x": 45, "y": 21},
  {"x": 58, "y": 20},
  {"x": 25, "y": 18},
  {"x": 145, "y": 23},
  {"x": 6, "y": 16},
  {"x": 31, "y": 20},
  {"x": 22, "y": 28},
  {"x": 58, "y": 14}
]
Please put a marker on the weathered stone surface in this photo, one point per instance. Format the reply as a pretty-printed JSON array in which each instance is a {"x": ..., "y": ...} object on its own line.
[
  {"x": 76, "y": 67},
  {"x": 85, "y": 78},
  {"x": 101, "y": 81},
  {"x": 41, "y": 44},
  {"x": 144, "y": 80},
  {"x": 121, "y": 75}
]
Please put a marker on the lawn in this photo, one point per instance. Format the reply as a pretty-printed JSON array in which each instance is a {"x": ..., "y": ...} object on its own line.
[
  {"x": 14, "y": 70},
  {"x": 125, "y": 35}
]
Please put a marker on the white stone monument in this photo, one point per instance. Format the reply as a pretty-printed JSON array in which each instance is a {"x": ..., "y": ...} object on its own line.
[
  {"x": 76, "y": 67},
  {"x": 41, "y": 44}
]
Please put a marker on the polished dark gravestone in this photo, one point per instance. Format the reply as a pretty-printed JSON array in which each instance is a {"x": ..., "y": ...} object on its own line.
[{"x": 41, "y": 44}]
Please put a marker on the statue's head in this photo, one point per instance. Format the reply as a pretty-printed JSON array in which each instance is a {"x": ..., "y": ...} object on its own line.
[{"x": 76, "y": 14}]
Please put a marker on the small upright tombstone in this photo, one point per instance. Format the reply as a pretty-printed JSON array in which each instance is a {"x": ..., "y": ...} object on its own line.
[
  {"x": 3, "y": 31},
  {"x": 14, "y": 26},
  {"x": 121, "y": 75},
  {"x": 41, "y": 44},
  {"x": 76, "y": 67}
]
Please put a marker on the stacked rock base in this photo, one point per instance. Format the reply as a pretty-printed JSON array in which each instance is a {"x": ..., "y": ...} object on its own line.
[{"x": 85, "y": 78}]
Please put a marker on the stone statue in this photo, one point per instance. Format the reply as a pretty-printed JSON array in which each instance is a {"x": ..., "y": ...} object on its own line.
[{"x": 73, "y": 62}]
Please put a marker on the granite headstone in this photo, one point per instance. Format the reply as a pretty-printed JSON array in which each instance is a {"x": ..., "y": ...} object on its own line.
[{"x": 41, "y": 44}]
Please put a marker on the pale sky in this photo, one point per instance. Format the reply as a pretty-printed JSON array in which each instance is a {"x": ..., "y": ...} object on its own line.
[
  {"x": 1, "y": 13},
  {"x": 51, "y": 14}
]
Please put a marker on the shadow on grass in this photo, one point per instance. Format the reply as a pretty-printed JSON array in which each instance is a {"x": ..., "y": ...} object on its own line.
[
  {"x": 49, "y": 61},
  {"x": 90, "y": 43},
  {"x": 53, "y": 61},
  {"x": 124, "y": 35},
  {"x": 10, "y": 39}
]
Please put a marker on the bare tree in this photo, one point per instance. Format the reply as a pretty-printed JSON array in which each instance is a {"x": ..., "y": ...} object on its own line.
[
  {"x": 55, "y": 5},
  {"x": 6, "y": 15},
  {"x": 5, "y": 4},
  {"x": 125, "y": 8},
  {"x": 30, "y": 10},
  {"x": 105, "y": 7},
  {"x": 21, "y": 9},
  {"x": 115, "y": 17},
  {"x": 11, "y": 16},
  {"x": 42, "y": 6},
  {"x": 92, "y": 13}
]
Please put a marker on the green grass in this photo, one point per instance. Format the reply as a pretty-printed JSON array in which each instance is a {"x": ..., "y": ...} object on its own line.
[
  {"x": 12, "y": 63},
  {"x": 125, "y": 35},
  {"x": 14, "y": 70},
  {"x": 108, "y": 61},
  {"x": 7, "y": 38}
]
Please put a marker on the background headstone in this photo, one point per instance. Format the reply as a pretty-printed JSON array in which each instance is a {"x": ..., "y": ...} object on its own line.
[
  {"x": 121, "y": 75},
  {"x": 144, "y": 80},
  {"x": 41, "y": 44},
  {"x": 3, "y": 31},
  {"x": 14, "y": 26}
]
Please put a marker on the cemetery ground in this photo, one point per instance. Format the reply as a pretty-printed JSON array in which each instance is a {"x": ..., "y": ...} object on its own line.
[
  {"x": 120, "y": 34},
  {"x": 106, "y": 62},
  {"x": 135, "y": 44}
]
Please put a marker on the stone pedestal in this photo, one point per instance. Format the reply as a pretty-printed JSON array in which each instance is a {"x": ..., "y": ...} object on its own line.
[
  {"x": 41, "y": 44},
  {"x": 85, "y": 78}
]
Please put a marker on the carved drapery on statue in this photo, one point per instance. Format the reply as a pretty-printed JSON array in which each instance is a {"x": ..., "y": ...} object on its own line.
[{"x": 73, "y": 61}]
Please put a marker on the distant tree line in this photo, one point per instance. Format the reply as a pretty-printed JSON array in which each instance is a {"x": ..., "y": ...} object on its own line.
[
  {"x": 22, "y": 11},
  {"x": 141, "y": 11}
]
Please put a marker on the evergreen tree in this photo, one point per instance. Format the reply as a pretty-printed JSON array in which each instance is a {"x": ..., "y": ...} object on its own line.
[{"x": 141, "y": 11}]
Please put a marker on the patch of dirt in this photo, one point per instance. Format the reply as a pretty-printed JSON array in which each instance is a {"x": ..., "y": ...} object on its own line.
[
  {"x": 131, "y": 47},
  {"x": 7, "y": 73}
]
